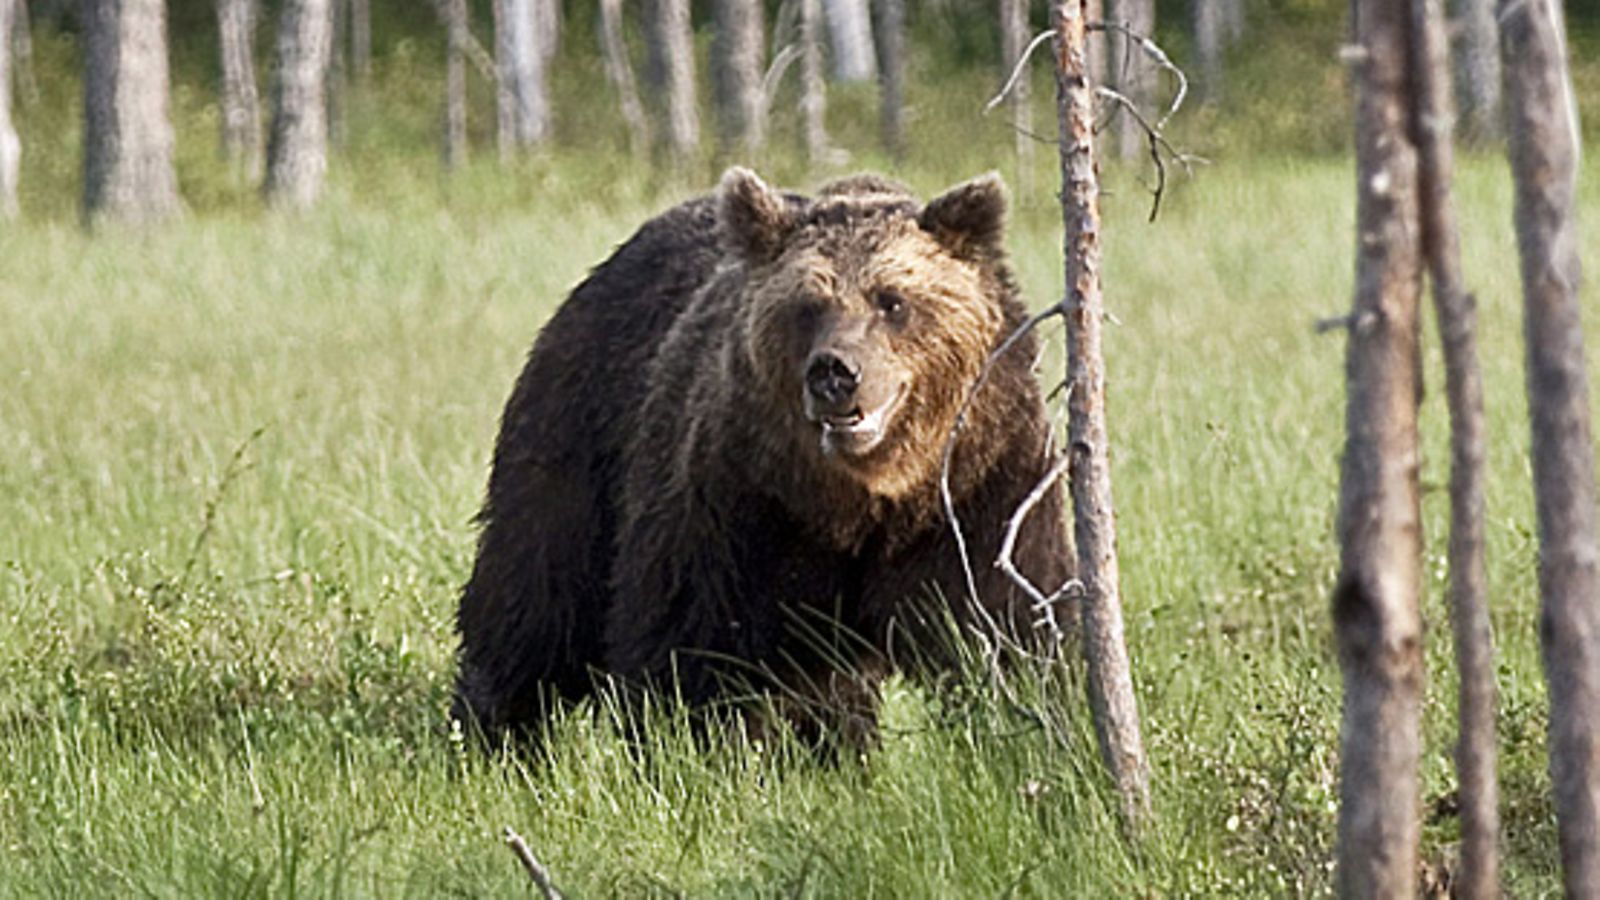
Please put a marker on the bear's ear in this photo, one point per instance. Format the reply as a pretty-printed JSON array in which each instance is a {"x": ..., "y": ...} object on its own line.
[
  {"x": 970, "y": 218},
  {"x": 754, "y": 219}
]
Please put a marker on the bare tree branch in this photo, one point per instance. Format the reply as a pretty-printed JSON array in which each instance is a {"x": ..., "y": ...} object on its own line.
[{"x": 539, "y": 874}]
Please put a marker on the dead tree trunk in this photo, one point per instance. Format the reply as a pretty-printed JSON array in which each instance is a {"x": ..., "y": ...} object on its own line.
[
  {"x": 1457, "y": 314},
  {"x": 1014, "y": 37},
  {"x": 813, "y": 89},
  {"x": 128, "y": 137},
  {"x": 522, "y": 102},
  {"x": 1130, "y": 73},
  {"x": 620, "y": 73},
  {"x": 1477, "y": 75},
  {"x": 850, "y": 38},
  {"x": 1543, "y": 135},
  {"x": 738, "y": 54},
  {"x": 361, "y": 39},
  {"x": 297, "y": 152},
  {"x": 1111, "y": 697},
  {"x": 10, "y": 147},
  {"x": 671, "y": 70},
  {"x": 1376, "y": 611},
  {"x": 455, "y": 83},
  {"x": 241, "y": 103},
  {"x": 890, "y": 29}
]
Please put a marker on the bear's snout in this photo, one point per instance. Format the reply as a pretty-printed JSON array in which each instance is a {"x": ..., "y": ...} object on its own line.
[{"x": 831, "y": 380}]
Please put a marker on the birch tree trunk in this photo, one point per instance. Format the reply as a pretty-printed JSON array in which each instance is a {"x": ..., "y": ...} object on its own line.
[
  {"x": 1457, "y": 314},
  {"x": 1014, "y": 37},
  {"x": 890, "y": 29},
  {"x": 620, "y": 73},
  {"x": 520, "y": 57},
  {"x": 455, "y": 80},
  {"x": 1208, "y": 27},
  {"x": 10, "y": 147},
  {"x": 1111, "y": 696},
  {"x": 671, "y": 69},
  {"x": 241, "y": 102},
  {"x": 128, "y": 137},
  {"x": 850, "y": 38},
  {"x": 1542, "y": 129},
  {"x": 738, "y": 54},
  {"x": 297, "y": 151},
  {"x": 1376, "y": 610},
  {"x": 813, "y": 89},
  {"x": 1130, "y": 73},
  {"x": 1477, "y": 73}
]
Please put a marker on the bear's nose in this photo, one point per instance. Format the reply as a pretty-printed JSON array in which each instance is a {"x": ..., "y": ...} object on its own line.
[{"x": 831, "y": 379}]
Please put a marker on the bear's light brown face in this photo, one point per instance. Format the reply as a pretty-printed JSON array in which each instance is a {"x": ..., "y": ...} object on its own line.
[{"x": 868, "y": 322}]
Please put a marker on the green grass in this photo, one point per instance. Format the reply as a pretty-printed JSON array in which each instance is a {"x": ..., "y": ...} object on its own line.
[{"x": 239, "y": 458}]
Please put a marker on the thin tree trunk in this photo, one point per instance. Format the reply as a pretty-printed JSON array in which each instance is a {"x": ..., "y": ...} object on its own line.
[
  {"x": 547, "y": 28},
  {"x": 1376, "y": 609},
  {"x": 1477, "y": 73},
  {"x": 738, "y": 53},
  {"x": 813, "y": 87},
  {"x": 1233, "y": 21},
  {"x": 620, "y": 73},
  {"x": 890, "y": 29},
  {"x": 336, "y": 82},
  {"x": 1130, "y": 72},
  {"x": 22, "y": 52},
  {"x": 1014, "y": 37},
  {"x": 672, "y": 74},
  {"x": 241, "y": 103},
  {"x": 850, "y": 38},
  {"x": 1543, "y": 134},
  {"x": 361, "y": 39},
  {"x": 1457, "y": 313},
  {"x": 10, "y": 147},
  {"x": 128, "y": 137},
  {"x": 1111, "y": 696},
  {"x": 297, "y": 152},
  {"x": 1207, "y": 23},
  {"x": 455, "y": 79},
  {"x": 523, "y": 100}
]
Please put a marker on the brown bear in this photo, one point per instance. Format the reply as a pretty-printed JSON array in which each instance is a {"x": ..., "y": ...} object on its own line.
[{"x": 721, "y": 463}]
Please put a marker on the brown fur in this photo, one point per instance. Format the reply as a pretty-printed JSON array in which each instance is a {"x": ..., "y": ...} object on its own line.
[{"x": 667, "y": 506}]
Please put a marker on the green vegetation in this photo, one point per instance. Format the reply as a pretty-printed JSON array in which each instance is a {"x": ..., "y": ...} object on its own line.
[{"x": 239, "y": 459}]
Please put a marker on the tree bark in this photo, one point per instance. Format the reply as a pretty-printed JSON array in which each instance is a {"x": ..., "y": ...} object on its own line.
[
  {"x": 1209, "y": 32},
  {"x": 1130, "y": 73},
  {"x": 1376, "y": 609},
  {"x": 738, "y": 54},
  {"x": 1457, "y": 314},
  {"x": 620, "y": 73},
  {"x": 1542, "y": 130},
  {"x": 10, "y": 147},
  {"x": 128, "y": 137},
  {"x": 1015, "y": 34},
  {"x": 890, "y": 29},
  {"x": 241, "y": 102},
  {"x": 813, "y": 88},
  {"x": 297, "y": 152},
  {"x": 1477, "y": 70},
  {"x": 523, "y": 100},
  {"x": 671, "y": 68},
  {"x": 850, "y": 37},
  {"x": 361, "y": 39},
  {"x": 1111, "y": 696},
  {"x": 455, "y": 80}
]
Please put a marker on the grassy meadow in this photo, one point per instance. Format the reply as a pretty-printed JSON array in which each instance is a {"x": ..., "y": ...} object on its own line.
[{"x": 239, "y": 457}]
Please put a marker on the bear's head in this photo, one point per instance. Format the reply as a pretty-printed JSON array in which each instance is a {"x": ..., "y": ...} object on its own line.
[{"x": 867, "y": 316}]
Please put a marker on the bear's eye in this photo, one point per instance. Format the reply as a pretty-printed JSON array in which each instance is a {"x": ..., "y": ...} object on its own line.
[{"x": 890, "y": 304}]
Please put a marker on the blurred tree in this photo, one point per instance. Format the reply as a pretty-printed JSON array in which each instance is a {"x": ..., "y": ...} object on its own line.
[
  {"x": 22, "y": 52},
  {"x": 1542, "y": 132},
  {"x": 619, "y": 71},
  {"x": 850, "y": 39},
  {"x": 10, "y": 147},
  {"x": 1206, "y": 19},
  {"x": 1015, "y": 33},
  {"x": 128, "y": 137},
  {"x": 360, "y": 16},
  {"x": 1477, "y": 76},
  {"x": 738, "y": 54},
  {"x": 813, "y": 89},
  {"x": 1130, "y": 72},
  {"x": 521, "y": 58},
  {"x": 671, "y": 74},
  {"x": 297, "y": 151},
  {"x": 890, "y": 29},
  {"x": 454, "y": 13},
  {"x": 241, "y": 102}
]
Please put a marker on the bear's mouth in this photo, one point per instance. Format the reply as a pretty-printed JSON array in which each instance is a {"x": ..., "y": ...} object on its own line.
[{"x": 858, "y": 431}]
